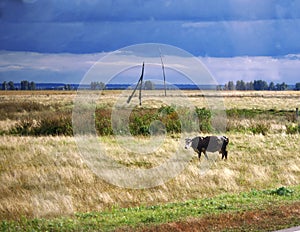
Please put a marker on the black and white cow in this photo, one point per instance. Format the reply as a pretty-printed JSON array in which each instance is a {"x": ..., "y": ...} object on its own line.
[{"x": 208, "y": 143}]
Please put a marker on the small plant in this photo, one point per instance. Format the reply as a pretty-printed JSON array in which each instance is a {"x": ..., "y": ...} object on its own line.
[
  {"x": 282, "y": 191},
  {"x": 292, "y": 128},
  {"x": 259, "y": 128},
  {"x": 167, "y": 109}
]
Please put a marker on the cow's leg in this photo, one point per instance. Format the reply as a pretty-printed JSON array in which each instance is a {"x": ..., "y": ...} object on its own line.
[
  {"x": 224, "y": 154},
  {"x": 205, "y": 155},
  {"x": 199, "y": 155}
]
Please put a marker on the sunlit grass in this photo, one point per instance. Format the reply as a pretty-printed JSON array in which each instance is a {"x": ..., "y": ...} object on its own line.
[
  {"x": 142, "y": 215},
  {"x": 46, "y": 176}
]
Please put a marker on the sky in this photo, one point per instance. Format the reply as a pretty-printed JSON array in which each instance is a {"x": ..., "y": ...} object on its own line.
[{"x": 60, "y": 40}]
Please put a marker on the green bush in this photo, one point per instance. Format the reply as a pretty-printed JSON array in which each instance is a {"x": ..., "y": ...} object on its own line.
[
  {"x": 168, "y": 115},
  {"x": 204, "y": 116},
  {"x": 102, "y": 121},
  {"x": 292, "y": 129},
  {"x": 140, "y": 123},
  {"x": 171, "y": 120},
  {"x": 282, "y": 191}
]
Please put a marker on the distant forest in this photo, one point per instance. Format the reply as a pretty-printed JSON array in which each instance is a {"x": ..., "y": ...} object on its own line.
[
  {"x": 148, "y": 85},
  {"x": 258, "y": 85}
]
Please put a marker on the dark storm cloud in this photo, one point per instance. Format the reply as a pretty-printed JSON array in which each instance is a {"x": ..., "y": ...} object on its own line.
[
  {"x": 131, "y": 10},
  {"x": 207, "y": 28}
]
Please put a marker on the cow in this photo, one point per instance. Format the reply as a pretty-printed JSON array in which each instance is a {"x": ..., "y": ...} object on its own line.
[{"x": 208, "y": 143}]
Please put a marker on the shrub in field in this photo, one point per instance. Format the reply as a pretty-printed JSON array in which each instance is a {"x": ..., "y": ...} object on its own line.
[
  {"x": 168, "y": 115},
  {"x": 141, "y": 121},
  {"x": 259, "y": 128},
  {"x": 23, "y": 127},
  {"x": 292, "y": 128},
  {"x": 204, "y": 116},
  {"x": 103, "y": 121},
  {"x": 175, "y": 119},
  {"x": 52, "y": 124},
  {"x": 140, "y": 125},
  {"x": 56, "y": 124},
  {"x": 282, "y": 191}
]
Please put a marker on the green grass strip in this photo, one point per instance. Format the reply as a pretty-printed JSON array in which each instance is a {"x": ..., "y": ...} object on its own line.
[{"x": 145, "y": 215}]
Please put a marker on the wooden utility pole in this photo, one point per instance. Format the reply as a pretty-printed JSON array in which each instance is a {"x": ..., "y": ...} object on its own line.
[
  {"x": 139, "y": 84},
  {"x": 163, "y": 69}
]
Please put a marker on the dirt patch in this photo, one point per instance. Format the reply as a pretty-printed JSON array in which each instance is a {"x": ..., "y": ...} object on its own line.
[{"x": 270, "y": 219}]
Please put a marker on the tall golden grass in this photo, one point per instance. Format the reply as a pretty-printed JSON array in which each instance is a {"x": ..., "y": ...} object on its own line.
[{"x": 46, "y": 176}]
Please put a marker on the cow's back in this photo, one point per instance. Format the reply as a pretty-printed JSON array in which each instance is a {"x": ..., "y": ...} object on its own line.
[{"x": 214, "y": 143}]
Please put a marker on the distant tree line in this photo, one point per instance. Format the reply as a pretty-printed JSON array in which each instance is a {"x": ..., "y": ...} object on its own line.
[
  {"x": 27, "y": 85},
  {"x": 8, "y": 85},
  {"x": 147, "y": 85},
  {"x": 258, "y": 85},
  {"x": 97, "y": 85}
]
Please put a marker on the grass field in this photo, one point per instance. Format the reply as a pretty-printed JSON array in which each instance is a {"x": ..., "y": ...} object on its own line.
[
  {"x": 45, "y": 183},
  {"x": 255, "y": 205}
]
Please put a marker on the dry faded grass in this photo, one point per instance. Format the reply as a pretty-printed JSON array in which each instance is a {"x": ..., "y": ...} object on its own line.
[
  {"x": 276, "y": 102},
  {"x": 280, "y": 100},
  {"x": 35, "y": 92},
  {"x": 40, "y": 97},
  {"x": 45, "y": 176},
  {"x": 6, "y": 125},
  {"x": 283, "y": 100}
]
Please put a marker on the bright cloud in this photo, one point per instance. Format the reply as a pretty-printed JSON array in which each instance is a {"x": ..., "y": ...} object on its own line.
[
  {"x": 72, "y": 68},
  {"x": 281, "y": 69}
]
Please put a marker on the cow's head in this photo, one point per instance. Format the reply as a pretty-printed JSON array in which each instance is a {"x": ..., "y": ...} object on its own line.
[{"x": 188, "y": 143}]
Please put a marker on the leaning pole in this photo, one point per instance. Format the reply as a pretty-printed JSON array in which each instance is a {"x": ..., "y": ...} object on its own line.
[{"x": 139, "y": 84}]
